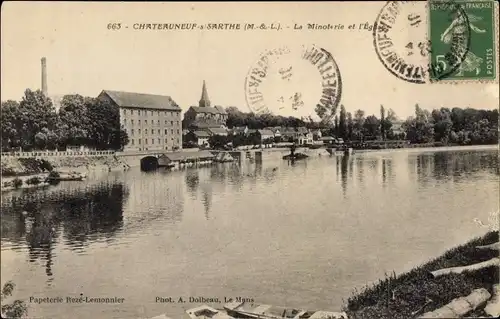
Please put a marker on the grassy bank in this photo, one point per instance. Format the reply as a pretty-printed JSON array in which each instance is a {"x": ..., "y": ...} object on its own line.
[{"x": 413, "y": 293}]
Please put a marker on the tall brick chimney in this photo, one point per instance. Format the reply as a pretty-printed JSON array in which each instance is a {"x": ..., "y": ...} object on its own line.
[{"x": 44, "y": 76}]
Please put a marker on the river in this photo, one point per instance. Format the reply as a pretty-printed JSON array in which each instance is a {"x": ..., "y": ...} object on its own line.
[{"x": 303, "y": 235}]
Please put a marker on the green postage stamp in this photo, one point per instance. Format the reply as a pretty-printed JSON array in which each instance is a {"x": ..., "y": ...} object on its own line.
[{"x": 463, "y": 37}]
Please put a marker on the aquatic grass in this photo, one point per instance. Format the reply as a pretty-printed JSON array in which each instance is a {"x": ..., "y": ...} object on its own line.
[{"x": 415, "y": 292}]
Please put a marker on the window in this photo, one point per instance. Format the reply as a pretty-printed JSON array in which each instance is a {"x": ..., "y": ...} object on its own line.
[
  {"x": 124, "y": 112},
  {"x": 146, "y": 122},
  {"x": 177, "y": 123},
  {"x": 158, "y": 122},
  {"x": 172, "y": 131},
  {"x": 166, "y": 122},
  {"x": 139, "y": 141},
  {"x": 166, "y": 131},
  {"x": 151, "y": 113},
  {"x": 177, "y": 141},
  {"x": 178, "y": 131},
  {"x": 166, "y": 140},
  {"x": 152, "y": 141},
  {"x": 132, "y": 122},
  {"x": 172, "y": 123},
  {"x": 159, "y": 131},
  {"x": 146, "y": 141},
  {"x": 139, "y": 122},
  {"x": 159, "y": 141},
  {"x": 146, "y": 131},
  {"x": 132, "y": 132},
  {"x": 125, "y": 121},
  {"x": 139, "y": 131},
  {"x": 132, "y": 112},
  {"x": 138, "y": 112},
  {"x": 132, "y": 141}
]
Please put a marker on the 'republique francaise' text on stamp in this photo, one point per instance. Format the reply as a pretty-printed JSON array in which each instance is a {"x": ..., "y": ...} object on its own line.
[
  {"x": 304, "y": 80},
  {"x": 478, "y": 25}
]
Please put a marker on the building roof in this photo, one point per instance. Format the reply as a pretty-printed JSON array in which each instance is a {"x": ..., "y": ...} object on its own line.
[
  {"x": 220, "y": 109},
  {"x": 266, "y": 132},
  {"x": 205, "y": 124},
  {"x": 142, "y": 100},
  {"x": 201, "y": 134},
  {"x": 217, "y": 130},
  {"x": 204, "y": 100},
  {"x": 206, "y": 109}
]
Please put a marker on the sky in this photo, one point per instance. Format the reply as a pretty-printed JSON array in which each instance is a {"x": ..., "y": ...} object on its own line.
[{"x": 84, "y": 57}]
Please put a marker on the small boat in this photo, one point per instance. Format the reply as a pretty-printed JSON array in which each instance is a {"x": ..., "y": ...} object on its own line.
[
  {"x": 249, "y": 310},
  {"x": 205, "y": 311},
  {"x": 296, "y": 156}
]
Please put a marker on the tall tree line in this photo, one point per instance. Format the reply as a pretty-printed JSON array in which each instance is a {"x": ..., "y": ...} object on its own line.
[{"x": 34, "y": 124}]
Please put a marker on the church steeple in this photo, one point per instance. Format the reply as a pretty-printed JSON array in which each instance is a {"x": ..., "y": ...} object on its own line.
[{"x": 204, "y": 101}]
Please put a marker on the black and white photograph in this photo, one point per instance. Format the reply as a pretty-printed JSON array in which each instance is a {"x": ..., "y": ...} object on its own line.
[{"x": 227, "y": 160}]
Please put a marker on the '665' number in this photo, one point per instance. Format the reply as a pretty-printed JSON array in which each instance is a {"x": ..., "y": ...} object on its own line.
[{"x": 114, "y": 26}]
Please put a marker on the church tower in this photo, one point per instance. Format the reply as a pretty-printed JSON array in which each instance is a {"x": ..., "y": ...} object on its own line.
[{"x": 204, "y": 101}]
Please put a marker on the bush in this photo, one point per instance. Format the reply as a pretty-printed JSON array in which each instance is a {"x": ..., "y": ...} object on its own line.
[
  {"x": 16, "y": 309},
  {"x": 17, "y": 182},
  {"x": 54, "y": 175},
  {"x": 33, "y": 180}
]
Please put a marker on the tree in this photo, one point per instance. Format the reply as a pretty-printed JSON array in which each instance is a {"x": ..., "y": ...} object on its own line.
[
  {"x": 74, "y": 119},
  {"x": 17, "y": 309},
  {"x": 36, "y": 113},
  {"x": 218, "y": 141},
  {"x": 419, "y": 129},
  {"x": 342, "y": 130},
  {"x": 371, "y": 126},
  {"x": 105, "y": 131},
  {"x": 442, "y": 124},
  {"x": 359, "y": 121},
  {"x": 336, "y": 130},
  {"x": 350, "y": 125},
  {"x": 382, "y": 122},
  {"x": 9, "y": 124}
]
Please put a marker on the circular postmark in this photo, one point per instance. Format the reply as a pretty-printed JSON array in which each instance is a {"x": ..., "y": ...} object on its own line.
[
  {"x": 303, "y": 81},
  {"x": 400, "y": 38}
]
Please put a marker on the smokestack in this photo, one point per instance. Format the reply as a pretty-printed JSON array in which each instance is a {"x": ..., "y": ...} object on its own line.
[{"x": 44, "y": 76}]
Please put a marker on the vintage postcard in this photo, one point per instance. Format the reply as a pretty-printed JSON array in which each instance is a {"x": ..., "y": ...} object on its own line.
[{"x": 302, "y": 160}]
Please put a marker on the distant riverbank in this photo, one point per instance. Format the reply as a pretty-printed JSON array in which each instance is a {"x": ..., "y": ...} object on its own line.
[{"x": 415, "y": 292}]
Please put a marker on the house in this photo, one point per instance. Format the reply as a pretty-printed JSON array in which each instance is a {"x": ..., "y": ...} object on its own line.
[
  {"x": 306, "y": 139},
  {"x": 292, "y": 134},
  {"x": 152, "y": 122},
  {"x": 240, "y": 130},
  {"x": 327, "y": 139},
  {"x": 216, "y": 131},
  {"x": 397, "y": 128},
  {"x": 317, "y": 134},
  {"x": 265, "y": 135},
  {"x": 204, "y": 113},
  {"x": 199, "y": 137}
]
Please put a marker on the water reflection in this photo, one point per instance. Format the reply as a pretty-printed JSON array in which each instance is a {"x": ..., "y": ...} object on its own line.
[
  {"x": 449, "y": 166},
  {"x": 343, "y": 171},
  {"x": 190, "y": 228},
  {"x": 42, "y": 220}
]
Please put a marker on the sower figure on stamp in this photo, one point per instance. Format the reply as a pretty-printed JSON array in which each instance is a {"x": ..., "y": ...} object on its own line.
[{"x": 458, "y": 26}]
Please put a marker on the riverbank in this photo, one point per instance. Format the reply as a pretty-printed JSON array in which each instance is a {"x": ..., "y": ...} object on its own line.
[
  {"x": 18, "y": 166},
  {"x": 416, "y": 292}
]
